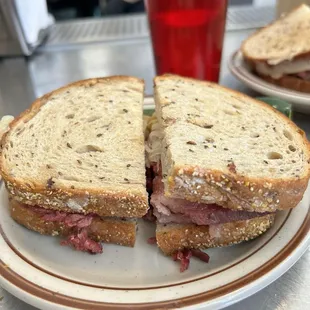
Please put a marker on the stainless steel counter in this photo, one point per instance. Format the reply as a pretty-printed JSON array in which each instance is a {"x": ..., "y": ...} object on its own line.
[{"x": 22, "y": 80}]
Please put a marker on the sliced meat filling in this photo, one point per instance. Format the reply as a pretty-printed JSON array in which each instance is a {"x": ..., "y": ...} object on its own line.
[
  {"x": 303, "y": 75},
  {"x": 81, "y": 242},
  {"x": 79, "y": 223},
  {"x": 180, "y": 211}
]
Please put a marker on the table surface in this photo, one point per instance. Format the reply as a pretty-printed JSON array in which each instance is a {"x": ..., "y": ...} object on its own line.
[{"x": 22, "y": 80}]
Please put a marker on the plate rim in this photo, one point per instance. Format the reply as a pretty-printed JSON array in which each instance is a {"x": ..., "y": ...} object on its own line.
[
  {"x": 298, "y": 99},
  {"x": 54, "y": 275},
  {"x": 279, "y": 263}
]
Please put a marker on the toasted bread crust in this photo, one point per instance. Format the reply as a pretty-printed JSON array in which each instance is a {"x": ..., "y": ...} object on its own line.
[
  {"x": 288, "y": 81},
  {"x": 107, "y": 230},
  {"x": 171, "y": 238},
  {"x": 129, "y": 203},
  {"x": 235, "y": 191}
]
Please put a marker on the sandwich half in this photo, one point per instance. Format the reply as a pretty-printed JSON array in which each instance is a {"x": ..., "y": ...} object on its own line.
[
  {"x": 280, "y": 52},
  {"x": 223, "y": 164},
  {"x": 73, "y": 164}
]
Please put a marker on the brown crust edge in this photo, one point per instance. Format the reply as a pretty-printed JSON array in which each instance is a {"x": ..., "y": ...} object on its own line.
[
  {"x": 237, "y": 192},
  {"x": 253, "y": 194},
  {"x": 107, "y": 230},
  {"x": 289, "y": 82},
  {"x": 174, "y": 237},
  {"x": 122, "y": 204}
]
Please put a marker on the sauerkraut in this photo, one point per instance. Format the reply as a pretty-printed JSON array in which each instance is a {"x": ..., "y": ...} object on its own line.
[{"x": 153, "y": 141}]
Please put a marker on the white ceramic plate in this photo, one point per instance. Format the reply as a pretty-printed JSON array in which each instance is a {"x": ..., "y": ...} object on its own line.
[
  {"x": 237, "y": 66},
  {"x": 39, "y": 271}
]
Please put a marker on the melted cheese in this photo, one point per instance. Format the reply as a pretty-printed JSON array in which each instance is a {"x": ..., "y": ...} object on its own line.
[
  {"x": 153, "y": 143},
  {"x": 285, "y": 67}
]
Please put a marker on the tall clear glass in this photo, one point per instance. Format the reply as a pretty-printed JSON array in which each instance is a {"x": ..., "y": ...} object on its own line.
[{"x": 187, "y": 36}]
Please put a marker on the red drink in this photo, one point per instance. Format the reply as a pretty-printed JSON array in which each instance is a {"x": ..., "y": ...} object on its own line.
[{"x": 187, "y": 36}]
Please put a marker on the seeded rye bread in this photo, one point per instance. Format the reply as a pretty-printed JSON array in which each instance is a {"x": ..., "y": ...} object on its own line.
[
  {"x": 173, "y": 237},
  {"x": 223, "y": 147},
  {"x": 107, "y": 230},
  {"x": 80, "y": 149},
  {"x": 286, "y": 39}
]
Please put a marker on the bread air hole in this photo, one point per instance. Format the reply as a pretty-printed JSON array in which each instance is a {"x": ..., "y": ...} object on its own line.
[
  {"x": 88, "y": 148},
  {"x": 274, "y": 155},
  {"x": 292, "y": 148},
  {"x": 230, "y": 112},
  {"x": 237, "y": 107},
  {"x": 70, "y": 116},
  {"x": 93, "y": 118},
  {"x": 287, "y": 135},
  {"x": 21, "y": 131},
  {"x": 254, "y": 135}
]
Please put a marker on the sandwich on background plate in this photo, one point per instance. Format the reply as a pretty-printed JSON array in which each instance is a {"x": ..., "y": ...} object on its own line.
[
  {"x": 224, "y": 163},
  {"x": 280, "y": 52},
  {"x": 73, "y": 164}
]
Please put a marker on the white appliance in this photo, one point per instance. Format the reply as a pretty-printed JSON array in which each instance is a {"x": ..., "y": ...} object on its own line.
[{"x": 23, "y": 26}]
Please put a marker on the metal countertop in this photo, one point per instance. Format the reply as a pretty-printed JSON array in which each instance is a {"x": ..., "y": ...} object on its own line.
[{"x": 21, "y": 80}]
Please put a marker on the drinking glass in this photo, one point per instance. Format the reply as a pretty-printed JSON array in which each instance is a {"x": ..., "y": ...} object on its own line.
[{"x": 187, "y": 36}]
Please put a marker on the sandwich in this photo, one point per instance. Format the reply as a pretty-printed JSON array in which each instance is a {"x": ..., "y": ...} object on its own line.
[
  {"x": 73, "y": 163},
  {"x": 222, "y": 164},
  {"x": 280, "y": 52}
]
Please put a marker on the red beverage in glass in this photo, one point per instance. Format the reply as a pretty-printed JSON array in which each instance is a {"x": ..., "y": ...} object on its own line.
[{"x": 187, "y": 36}]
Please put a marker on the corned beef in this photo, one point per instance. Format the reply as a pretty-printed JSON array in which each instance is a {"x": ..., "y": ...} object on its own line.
[
  {"x": 79, "y": 223},
  {"x": 172, "y": 210}
]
